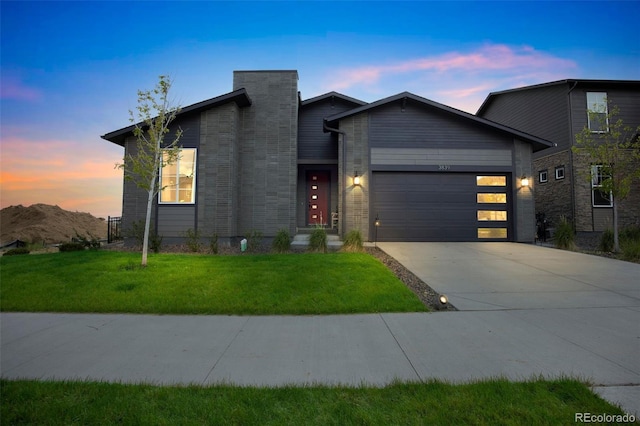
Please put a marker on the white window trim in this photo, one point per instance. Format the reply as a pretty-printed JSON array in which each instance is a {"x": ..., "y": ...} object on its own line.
[
  {"x": 193, "y": 190},
  {"x": 560, "y": 169},
  {"x": 546, "y": 176},
  {"x": 600, "y": 109},
  {"x": 594, "y": 186}
]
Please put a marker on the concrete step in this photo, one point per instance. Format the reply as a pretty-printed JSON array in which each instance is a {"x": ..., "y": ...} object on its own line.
[{"x": 302, "y": 240}]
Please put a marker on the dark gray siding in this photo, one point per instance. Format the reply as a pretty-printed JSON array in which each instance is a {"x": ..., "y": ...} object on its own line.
[
  {"x": 416, "y": 126},
  {"x": 174, "y": 220},
  {"x": 313, "y": 143},
  {"x": 543, "y": 112},
  {"x": 627, "y": 101},
  {"x": 134, "y": 199}
]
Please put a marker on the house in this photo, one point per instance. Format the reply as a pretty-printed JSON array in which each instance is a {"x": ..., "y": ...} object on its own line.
[
  {"x": 260, "y": 159},
  {"x": 557, "y": 111}
]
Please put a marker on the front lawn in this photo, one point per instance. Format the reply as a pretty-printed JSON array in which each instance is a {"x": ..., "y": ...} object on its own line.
[
  {"x": 493, "y": 402},
  {"x": 106, "y": 281}
]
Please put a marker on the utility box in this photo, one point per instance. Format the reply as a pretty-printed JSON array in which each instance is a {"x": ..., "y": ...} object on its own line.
[{"x": 243, "y": 244}]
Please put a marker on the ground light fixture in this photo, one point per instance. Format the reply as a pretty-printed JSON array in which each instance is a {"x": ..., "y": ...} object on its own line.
[
  {"x": 443, "y": 299},
  {"x": 356, "y": 179},
  {"x": 524, "y": 181}
]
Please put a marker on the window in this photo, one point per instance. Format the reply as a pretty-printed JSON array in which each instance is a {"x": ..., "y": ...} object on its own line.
[
  {"x": 492, "y": 215},
  {"x": 597, "y": 112},
  {"x": 543, "y": 176},
  {"x": 178, "y": 180},
  {"x": 560, "y": 172},
  {"x": 492, "y": 232},
  {"x": 599, "y": 198},
  {"x": 491, "y": 198},
  {"x": 491, "y": 180}
]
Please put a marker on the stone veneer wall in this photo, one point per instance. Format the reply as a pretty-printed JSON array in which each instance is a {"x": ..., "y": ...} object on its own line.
[
  {"x": 553, "y": 198},
  {"x": 218, "y": 172},
  {"x": 268, "y": 151},
  {"x": 354, "y": 200}
]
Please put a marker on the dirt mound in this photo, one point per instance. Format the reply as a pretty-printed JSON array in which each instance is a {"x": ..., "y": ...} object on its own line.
[{"x": 51, "y": 224}]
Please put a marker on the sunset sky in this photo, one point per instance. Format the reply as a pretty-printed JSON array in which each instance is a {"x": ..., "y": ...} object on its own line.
[{"x": 70, "y": 70}]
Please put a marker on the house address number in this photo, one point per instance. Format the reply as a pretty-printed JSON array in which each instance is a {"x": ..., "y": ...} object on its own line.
[{"x": 444, "y": 167}]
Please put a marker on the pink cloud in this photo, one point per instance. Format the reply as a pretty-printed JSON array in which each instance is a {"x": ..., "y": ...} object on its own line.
[
  {"x": 486, "y": 59},
  {"x": 13, "y": 88}
]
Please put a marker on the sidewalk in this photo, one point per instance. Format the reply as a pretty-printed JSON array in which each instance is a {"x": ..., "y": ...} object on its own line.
[{"x": 370, "y": 349}]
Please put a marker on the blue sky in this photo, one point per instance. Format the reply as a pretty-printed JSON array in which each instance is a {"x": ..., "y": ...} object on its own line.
[{"x": 70, "y": 70}]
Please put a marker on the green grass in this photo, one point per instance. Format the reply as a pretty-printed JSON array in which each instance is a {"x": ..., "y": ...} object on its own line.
[
  {"x": 495, "y": 402},
  {"x": 105, "y": 281}
]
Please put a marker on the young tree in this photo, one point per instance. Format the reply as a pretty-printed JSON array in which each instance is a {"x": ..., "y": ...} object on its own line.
[
  {"x": 615, "y": 150},
  {"x": 155, "y": 147}
]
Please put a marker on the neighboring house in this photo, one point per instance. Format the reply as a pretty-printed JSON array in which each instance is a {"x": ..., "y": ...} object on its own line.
[
  {"x": 260, "y": 159},
  {"x": 557, "y": 111}
]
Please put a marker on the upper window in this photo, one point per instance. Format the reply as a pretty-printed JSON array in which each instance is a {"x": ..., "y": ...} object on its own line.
[
  {"x": 597, "y": 112},
  {"x": 178, "y": 180},
  {"x": 559, "y": 172},
  {"x": 543, "y": 176},
  {"x": 599, "y": 198}
]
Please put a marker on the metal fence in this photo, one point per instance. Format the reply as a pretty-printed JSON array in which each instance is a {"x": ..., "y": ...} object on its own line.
[{"x": 114, "y": 229}]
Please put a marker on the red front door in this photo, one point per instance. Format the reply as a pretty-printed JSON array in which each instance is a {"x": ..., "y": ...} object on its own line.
[{"x": 318, "y": 198}]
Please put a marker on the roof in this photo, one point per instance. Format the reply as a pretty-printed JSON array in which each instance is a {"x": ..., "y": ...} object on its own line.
[
  {"x": 240, "y": 97},
  {"x": 567, "y": 82},
  {"x": 332, "y": 95},
  {"x": 538, "y": 143}
]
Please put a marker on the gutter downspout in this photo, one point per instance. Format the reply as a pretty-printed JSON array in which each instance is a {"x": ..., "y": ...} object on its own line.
[
  {"x": 573, "y": 171},
  {"x": 343, "y": 174}
]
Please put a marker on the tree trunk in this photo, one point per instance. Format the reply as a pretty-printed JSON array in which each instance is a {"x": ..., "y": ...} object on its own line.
[
  {"x": 616, "y": 239},
  {"x": 147, "y": 223}
]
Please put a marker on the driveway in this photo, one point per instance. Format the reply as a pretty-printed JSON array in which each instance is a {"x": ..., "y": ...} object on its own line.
[
  {"x": 567, "y": 313},
  {"x": 498, "y": 276}
]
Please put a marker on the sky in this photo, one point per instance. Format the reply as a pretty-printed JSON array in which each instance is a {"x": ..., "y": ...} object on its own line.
[{"x": 70, "y": 71}]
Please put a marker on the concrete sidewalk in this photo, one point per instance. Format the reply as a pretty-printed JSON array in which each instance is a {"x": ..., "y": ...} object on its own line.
[{"x": 525, "y": 313}]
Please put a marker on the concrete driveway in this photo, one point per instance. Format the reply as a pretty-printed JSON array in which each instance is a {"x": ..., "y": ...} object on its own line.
[
  {"x": 566, "y": 313},
  {"x": 498, "y": 276}
]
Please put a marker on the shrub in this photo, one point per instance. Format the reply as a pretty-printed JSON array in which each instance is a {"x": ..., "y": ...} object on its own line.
[
  {"x": 192, "y": 240},
  {"x": 92, "y": 244},
  {"x": 630, "y": 250},
  {"x": 73, "y": 246},
  {"x": 318, "y": 240},
  {"x": 630, "y": 233},
  {"x": 136, "y": 231},
  {"x": 254, "y": 241},
  {"x": 155, "y": 242},
  {"x": 17, "y": 251},
  {"x": 282, "y": 241},
  {"x": 213, "y": 244},
  {"x": 564, "y": 236},
  {"x": 353, "y": 242},
  {"x": 606, "y": 241}
]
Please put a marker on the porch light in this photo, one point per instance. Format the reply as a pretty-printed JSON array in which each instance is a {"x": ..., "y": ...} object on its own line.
[
  {"x": 524, "y": 181},
  {"x": 356, "y": 179}
]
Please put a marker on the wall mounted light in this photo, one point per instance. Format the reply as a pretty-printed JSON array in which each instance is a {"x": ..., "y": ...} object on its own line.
[
  {"x": 356, "y": 179},
  {"x": 524, "y": 181}
]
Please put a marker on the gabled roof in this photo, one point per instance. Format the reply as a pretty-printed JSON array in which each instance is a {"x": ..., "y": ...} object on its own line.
[
  {"x": 331, "y": 95},
  {"x": 538, "y": 143},
  {"x": 568, "y": 82},
  {"x": 240, "y": 97}
]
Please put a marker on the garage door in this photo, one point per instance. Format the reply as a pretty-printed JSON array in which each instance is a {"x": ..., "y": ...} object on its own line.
[{"x": 440, "y": 207}]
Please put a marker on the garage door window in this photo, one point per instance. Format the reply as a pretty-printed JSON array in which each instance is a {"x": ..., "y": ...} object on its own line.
[
  {"x": 492, "y": 215},
  {"x": 492, "y": 198},
  {"x": 491, "y": 210},
  {"x": 491, "y": 180},
  {"x": 492, "y": 232}
]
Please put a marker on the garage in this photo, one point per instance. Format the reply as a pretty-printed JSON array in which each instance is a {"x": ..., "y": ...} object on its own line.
[{"x": 424, "y": 206}]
